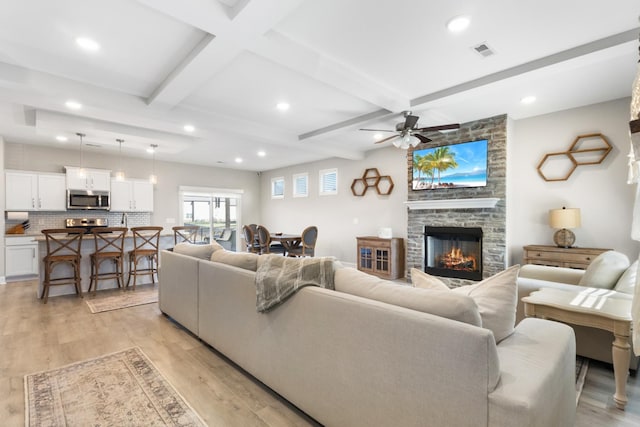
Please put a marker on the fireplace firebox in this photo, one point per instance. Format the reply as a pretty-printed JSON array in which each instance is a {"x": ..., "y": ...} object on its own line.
[{"x": 453, "y": 252}]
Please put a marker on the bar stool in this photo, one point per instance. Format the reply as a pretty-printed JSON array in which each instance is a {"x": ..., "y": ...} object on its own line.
[
  {"x": 146, "y": 241},
  {"x": 185, "y": 233},
  {"x": 109, "y": 244},
  {"x": 63, "y": 247}
]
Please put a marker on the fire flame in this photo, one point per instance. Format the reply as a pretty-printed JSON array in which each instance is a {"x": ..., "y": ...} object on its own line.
[{"x": 457, "y": 260}]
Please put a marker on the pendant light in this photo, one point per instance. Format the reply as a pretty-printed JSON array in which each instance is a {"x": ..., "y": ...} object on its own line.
[
  {"x": 81, "y": 172},
  {"x": 153, "y": 178},
  {"x": 120, "y": 173}
]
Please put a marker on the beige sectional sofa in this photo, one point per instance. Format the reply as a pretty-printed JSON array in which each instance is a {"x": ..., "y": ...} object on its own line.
[
  {"x": 610, "y": 270},
  {"x": 347, "y": 360}
]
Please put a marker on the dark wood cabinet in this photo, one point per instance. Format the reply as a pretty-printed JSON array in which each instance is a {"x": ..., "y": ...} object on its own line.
[{"x": 381, "y": 257}]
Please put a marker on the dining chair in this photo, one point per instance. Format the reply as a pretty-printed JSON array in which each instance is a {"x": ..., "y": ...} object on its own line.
[
  {"x": 109, "y": 246},
  {"x": 250, "y": 239},
  {"x": 146, "y": 241},
  {"x": 185, "y": 233},
  {"x": 307, "y": 246},
  {"x": 63, "y": 247},
  {"x": 264, "y": 240}
]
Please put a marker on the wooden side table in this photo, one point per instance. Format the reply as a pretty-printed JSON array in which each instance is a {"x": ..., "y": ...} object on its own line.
[
  {"x": 560, "y": 257},
  {"x": 595, "y": 310},
  {"x": 381, "y": 257}
]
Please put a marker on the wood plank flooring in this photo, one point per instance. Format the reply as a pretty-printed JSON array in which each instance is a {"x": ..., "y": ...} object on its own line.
[{"x": 36, "y": 337}]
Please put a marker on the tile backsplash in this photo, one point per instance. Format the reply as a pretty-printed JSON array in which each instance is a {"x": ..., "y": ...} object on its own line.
[{"x": 42, "y": 220}]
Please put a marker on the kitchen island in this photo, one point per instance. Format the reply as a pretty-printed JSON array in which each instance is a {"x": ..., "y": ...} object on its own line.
[{"x": 87, "y": 248}]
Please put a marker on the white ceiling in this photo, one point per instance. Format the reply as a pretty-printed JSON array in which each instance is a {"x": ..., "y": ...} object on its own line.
[{"x": 223, "y": 65}]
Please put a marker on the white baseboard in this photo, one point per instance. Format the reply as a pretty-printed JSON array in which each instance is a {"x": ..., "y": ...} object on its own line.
[{"x": 3, "y": 280}]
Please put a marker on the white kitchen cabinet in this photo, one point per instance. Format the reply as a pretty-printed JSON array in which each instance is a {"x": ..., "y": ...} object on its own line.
[
  {"x": 21, "y": 256},
  {"x": 31, "y": 191},
  {"x": 91, "y": 179},
  {"x": 131, "y": 195}
]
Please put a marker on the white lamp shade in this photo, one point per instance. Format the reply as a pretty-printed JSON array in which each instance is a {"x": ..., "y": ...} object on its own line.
[{"x": 564, "y": 218}]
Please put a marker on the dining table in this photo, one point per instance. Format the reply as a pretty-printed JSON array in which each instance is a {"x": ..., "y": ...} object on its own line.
[{"x": 288, "y": 241}]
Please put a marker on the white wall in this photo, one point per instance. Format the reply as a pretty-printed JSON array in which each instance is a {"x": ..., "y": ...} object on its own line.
[
  {"x": 342, "y": 217},
  {"x": 170, "y": 176},
  {"x": 2, "y": 207},
  {"x": 600, "y": 191}
]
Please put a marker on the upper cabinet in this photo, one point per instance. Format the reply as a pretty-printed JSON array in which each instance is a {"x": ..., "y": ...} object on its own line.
[
  {"x": 131, "y": 195},
  {"x": 31, "y": 191},
  {"x": 91, "y": 179}
]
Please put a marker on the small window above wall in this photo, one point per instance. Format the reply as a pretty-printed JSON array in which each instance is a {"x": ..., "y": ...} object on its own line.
[
  {"x": 328, "y": 182},
  {"x": 277, "y": 188},
  {"x": 301, "y": 185}
]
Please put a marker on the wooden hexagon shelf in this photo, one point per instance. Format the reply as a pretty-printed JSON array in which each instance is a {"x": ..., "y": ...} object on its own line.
[
  {"x": 371, "y": 178},
  {"x": 590, "y": 149}
]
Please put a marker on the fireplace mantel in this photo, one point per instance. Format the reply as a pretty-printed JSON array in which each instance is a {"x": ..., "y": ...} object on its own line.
[{"x": 488, "y": 202}]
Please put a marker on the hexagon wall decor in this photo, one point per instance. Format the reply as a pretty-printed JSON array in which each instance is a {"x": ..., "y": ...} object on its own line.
[
  {"x": 589, "y": 149},
  {"x": 371, "y": 178}
]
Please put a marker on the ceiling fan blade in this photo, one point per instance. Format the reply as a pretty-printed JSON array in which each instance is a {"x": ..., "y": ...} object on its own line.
[
  {"x": 386, "y": 139},
  {"x": 437, "y": 128},
  {"x": 378, "y": 130},
  {"x": 410, "y": 122},
  {"x": 422, "y": 138}
]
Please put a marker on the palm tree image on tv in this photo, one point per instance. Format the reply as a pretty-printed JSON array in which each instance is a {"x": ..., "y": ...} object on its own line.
[{"x": 451, "y": 166}]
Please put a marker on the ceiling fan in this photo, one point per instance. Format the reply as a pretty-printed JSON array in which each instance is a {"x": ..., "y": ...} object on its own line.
[{"x": 407, "y": 133}]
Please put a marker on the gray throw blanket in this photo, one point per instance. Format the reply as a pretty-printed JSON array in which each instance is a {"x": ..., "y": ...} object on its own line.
[{"x": 278, "y": 277}]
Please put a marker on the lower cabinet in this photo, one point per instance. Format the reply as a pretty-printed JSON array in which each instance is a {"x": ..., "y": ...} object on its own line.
[
  {"x": 21, "y": 256},
  {"x": 381, "y": 257}
]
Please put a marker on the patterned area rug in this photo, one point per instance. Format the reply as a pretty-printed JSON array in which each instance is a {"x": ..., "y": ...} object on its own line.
[
  {"x": 123, "y": 299},
  {"x": 582, "y": 365},
  {"x": 119, "y": 389}
]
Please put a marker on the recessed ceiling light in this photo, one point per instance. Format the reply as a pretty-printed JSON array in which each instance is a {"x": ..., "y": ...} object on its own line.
[
  {"x": 261, "y": 153},
  {"x": 283, "y": 106},
  {"x": 62, "y": 138},
  {"x": 88, "y": 44},
  {"x": 189, "y": 128},
  {"x": 458, "y": 24},
  {"x": 238, "y": 160},
  {"x": 528, "y": 99},
  {"x": 377, "y": 136},
  {"x": 73, "y": 105}
]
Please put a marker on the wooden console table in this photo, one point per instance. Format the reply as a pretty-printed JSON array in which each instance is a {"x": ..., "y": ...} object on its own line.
[
  {"x": 560, "y": 257},
  {"x": 381, "y": 257},
  {"x": 594, "y": 310}
]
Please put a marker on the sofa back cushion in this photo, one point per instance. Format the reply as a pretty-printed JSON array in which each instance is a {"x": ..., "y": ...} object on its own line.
[
  {"x": 246, "y": 260},
  {"x": 197, "y": 251},
  {"x": 444, "y": 304},
  {"x": 627, "y": 282},
  {"x": 605, "y": 270}
]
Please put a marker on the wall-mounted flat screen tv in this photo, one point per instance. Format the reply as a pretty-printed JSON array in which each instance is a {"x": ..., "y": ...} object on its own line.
[{"x": 451, "y": 166}]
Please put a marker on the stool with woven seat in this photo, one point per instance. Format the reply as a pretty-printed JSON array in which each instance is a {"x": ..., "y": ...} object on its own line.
[
  {"x": 63, "y": 247},
  {"x": 146, "y": 241},
  {"x": 109, "y": 244},
  {"x": 185, "y": 233}
]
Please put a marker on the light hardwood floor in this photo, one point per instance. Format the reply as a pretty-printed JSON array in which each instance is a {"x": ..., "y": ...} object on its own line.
[{"x": 36, "y": 337}]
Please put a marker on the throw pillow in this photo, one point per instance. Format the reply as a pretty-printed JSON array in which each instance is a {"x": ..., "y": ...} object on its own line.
[
  {"x": 198, "y": 251},
  {"x": 627, "y": 282},
  {"x": 496, "y": 297},
  {"x": 605, "y": 270},
  {"x": 420, "y": 279}
]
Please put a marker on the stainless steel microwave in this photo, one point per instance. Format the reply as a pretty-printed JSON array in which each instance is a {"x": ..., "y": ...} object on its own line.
[{"x": 87, "y": 199}]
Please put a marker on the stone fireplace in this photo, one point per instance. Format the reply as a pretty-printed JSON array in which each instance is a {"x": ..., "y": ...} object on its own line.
[
  {"x": 483, "y": 208},
  {"x": 453, "y": 252}
]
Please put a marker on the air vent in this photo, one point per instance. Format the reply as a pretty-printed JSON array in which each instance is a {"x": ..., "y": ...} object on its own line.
[{"x": 483, "y": 50}]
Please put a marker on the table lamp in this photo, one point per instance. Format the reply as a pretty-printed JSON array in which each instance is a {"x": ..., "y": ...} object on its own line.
[{"x": 564, "y": 219}]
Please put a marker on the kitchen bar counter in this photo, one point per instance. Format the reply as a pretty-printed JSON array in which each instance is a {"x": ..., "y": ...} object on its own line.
[{"x": 88, "y": 247}]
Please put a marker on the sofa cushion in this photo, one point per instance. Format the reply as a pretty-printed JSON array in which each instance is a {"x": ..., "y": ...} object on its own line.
[
  {"x": 605, "y": 270},
  {"x": 496, "y": 297},
  {"x": 197, "y": 251},
  {"x": 245, "y": 260},
  {"x": 627, "y": 282},
  {"x": 420, "y": 279},
  {"x": 443, "y": 304}
]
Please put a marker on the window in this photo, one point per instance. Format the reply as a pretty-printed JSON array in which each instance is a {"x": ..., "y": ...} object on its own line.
[
  {"x": 301, "y": 185},
  {"x": 277, "y": 188},
  {"x": 328, "y": 182}
]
